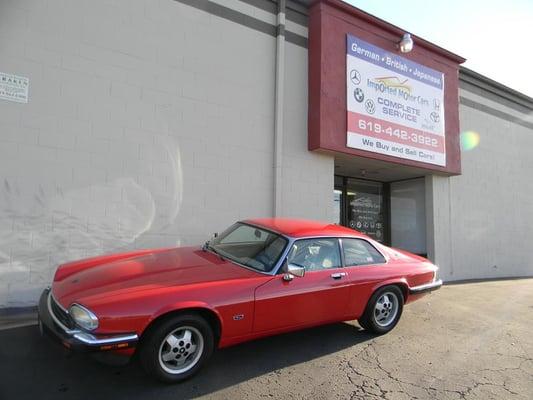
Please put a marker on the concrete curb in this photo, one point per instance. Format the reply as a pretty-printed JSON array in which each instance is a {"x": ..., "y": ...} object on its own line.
[{"x": 17, "y": 317}]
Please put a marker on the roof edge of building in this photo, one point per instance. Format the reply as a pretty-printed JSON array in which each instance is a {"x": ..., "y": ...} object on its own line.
[{"x": 489, "y": 85}]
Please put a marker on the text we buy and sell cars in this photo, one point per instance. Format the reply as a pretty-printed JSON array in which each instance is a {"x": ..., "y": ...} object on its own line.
[{"x": 258, "y": 278}]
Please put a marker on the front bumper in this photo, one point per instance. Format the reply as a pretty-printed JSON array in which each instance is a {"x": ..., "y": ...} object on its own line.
[
  {"x": 75, "y": 338},
  {"x": 428, "y": 287}
]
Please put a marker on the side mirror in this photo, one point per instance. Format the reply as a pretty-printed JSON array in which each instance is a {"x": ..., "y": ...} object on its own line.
[
  {"x": 296, "y": 270},
  {"x": 292, "y": 270}
]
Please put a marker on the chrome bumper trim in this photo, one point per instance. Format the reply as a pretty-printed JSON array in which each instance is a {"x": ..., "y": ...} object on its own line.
[
  {"x": 85, "y": 337},
  {"x": 89, "y": 339},
  {"x": 428, "y": 287},
  {"x": 56, "y": 320}
]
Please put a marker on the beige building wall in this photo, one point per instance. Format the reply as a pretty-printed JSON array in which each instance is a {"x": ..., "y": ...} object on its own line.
[
  {"x": 482, "y": 220},
  {"x": 307, "y": 176},
  {"x": 149, "y": 124}
]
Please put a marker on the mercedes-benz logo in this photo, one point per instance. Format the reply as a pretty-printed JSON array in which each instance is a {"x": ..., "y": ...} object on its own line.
[
  {"x": 359, "y": 95},
  {"x": 355, "y": 77}
]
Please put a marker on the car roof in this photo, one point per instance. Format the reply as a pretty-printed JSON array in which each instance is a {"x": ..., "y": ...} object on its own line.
[{"x": 298, "y": 228}]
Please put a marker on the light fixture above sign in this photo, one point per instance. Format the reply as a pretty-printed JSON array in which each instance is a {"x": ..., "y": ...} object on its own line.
[
  {"x": 406, "y": 44},
  {"x": 368, "y": 99}
]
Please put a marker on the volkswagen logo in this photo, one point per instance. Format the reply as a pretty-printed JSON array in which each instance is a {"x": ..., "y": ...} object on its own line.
[{"x": 370, "y": 106}]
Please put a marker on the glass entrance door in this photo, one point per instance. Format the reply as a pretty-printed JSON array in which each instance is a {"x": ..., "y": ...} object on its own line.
[
  {"x": 392, "y": 213},
  {"x": 365, "y": 213},
  {"x": 360, "y": 206}
]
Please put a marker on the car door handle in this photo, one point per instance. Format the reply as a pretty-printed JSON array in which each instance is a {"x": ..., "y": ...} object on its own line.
[{"x": 338, "y": 275}]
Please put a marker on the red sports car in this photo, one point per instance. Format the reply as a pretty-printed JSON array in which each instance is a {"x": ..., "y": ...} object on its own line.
[{"x": 258, "y": 278}]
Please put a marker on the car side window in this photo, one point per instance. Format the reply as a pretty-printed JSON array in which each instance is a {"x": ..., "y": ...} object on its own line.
[
  {"x": 315, "y": 254},
  {"x": 360, "y": 252}
]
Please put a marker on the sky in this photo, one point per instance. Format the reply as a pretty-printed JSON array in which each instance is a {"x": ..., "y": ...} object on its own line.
[{"x": 496, "y": 37}]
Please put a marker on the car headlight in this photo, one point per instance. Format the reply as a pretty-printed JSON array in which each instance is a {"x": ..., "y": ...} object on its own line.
[{"x": 83, "y": 317}]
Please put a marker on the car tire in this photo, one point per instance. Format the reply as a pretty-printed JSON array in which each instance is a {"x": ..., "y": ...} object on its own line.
[
  {"x": 176, "y": 348},
  {"x": 383, "y": 310}
]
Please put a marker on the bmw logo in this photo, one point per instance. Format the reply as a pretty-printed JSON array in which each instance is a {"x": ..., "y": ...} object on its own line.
[{"x": 359, "y": 95}]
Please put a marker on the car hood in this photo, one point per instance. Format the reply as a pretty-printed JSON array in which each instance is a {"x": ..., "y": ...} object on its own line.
[{"x": 148, "y": 269}]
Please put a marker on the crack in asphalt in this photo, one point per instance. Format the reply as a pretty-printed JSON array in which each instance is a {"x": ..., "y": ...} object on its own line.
[{"x": 371, "y": 387}]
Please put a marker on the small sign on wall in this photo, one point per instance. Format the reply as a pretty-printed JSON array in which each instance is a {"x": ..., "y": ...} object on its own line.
[{"x": 14, "y": 88}]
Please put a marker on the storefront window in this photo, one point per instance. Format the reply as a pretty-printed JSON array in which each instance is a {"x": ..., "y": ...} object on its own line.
[
  {"x": 365, "y": 211},
  {"x": 391, "y": 213}
]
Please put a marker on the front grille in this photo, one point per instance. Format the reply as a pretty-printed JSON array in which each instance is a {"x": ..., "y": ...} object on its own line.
[{"x": 61, "y": 314}]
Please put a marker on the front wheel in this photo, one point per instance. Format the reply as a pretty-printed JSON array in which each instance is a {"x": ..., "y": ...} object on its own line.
[
  {"x": 383, "y": 310},
  {"x": 176, "y": 348}
]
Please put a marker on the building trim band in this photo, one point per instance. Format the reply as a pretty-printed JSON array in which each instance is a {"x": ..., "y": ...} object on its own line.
[{"x": 251, "y": 22}]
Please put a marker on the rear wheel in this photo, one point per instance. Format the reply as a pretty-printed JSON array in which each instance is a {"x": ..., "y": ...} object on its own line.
[
  {"x": 176, "y": 348},
  {"x": 383, "y": 310}
]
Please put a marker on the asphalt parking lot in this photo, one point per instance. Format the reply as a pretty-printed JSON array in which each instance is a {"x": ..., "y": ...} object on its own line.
[{"x": 467, "y": 341}]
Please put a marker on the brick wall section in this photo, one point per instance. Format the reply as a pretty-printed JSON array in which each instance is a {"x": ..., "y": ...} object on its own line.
[{"x": 149, "y": 124}]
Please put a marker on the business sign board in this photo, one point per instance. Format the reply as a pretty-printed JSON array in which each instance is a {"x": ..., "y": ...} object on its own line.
[
  {"x": 14, "y": 88},
  {"x": 394, "y": 105}
]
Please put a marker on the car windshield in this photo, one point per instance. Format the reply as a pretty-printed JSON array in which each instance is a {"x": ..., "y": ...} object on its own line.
[{"x": 250, "y": 246}]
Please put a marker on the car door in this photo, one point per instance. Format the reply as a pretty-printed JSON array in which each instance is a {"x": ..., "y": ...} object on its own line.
[
  {"x": 319, "y": 296},
  {"x": 366, "y": 266}
]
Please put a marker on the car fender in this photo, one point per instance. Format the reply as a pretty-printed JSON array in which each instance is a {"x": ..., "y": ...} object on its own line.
[
  {"x": 183, "y": 306},
  {"x": 402, "y": 282}
]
